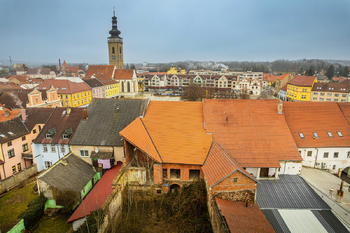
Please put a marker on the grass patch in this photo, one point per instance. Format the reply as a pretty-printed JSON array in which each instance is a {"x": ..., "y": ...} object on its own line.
[
  {"x": 14, "y": 202},
  {"x": 57, "y": 224}
]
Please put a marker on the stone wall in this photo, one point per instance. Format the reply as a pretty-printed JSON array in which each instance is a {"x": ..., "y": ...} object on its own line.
[{"x": 17, "y": 178}]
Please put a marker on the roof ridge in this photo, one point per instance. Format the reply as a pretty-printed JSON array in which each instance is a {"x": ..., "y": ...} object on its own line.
[{"x": 151, "y": 139}]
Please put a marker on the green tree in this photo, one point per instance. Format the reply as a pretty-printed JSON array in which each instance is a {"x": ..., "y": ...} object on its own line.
[
  {"x": 310, "y": 72},
  {"x": 330, "y": 72},
  {"x": 345, "y": 72}
]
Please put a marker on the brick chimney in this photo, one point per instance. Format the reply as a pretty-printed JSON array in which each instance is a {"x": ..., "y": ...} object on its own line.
[
  {"x": 23, "y": 114},
  {"x": 85, "y": 116}
]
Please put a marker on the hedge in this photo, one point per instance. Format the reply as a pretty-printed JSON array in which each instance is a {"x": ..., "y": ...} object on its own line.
[{"x": 35, "y": 211}]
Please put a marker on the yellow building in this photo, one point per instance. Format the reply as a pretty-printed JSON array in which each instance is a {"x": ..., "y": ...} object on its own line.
[
  {"x": 299, "y": 88},
  {"x": 115, "y": 45},
  {"x": 71, "y": 94},
  {"x": 111, "y": 86},
  {"x": 141, "y": 82},
  {"x": 174, "y": 70}
]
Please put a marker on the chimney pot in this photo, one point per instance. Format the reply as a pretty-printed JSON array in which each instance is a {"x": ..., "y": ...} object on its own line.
[
  {"x": 85, "y": 116},
  {"x": 23, "y": 114}
]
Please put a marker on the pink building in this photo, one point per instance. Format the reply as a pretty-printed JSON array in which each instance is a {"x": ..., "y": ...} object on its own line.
[{"x": 98, "y": 90}]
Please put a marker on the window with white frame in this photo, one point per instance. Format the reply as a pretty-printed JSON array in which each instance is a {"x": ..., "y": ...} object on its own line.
[
  {"x": 84, "y": 153},
  {"x": 63, "y": 150},
  {"x": 48, "y": 164},
  {"x": 44, "y": 148},
  {"x": 53, "y": 148}
]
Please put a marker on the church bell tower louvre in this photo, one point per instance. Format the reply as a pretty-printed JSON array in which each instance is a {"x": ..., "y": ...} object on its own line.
[{"x": 115, "y": 45}]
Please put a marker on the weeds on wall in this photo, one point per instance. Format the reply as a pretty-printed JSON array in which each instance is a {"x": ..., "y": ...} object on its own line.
[{"x": 184, "y": 210}]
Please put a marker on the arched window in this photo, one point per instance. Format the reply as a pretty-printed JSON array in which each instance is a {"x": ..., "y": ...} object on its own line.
[
  {"x": 120, "y": 50},
  {"x": 113, "y": 51}
]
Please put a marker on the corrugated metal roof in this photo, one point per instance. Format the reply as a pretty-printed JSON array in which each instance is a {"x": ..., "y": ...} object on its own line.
[
  {"x": 329, "y": 221},
  {"x": 276, "y": 220},
  {"x": 289, "y": 192}
]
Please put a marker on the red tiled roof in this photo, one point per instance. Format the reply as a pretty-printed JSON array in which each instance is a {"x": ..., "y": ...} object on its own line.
[
  {"x": 284, "y": 88},
  {"x": 331, "y": 87},
  {"x": 345, "y": 108},
  {"x": 39, "y": 71},
  {"x": 21, "y": 78},
  {"x": 107, "y": 70},
  {"x": 65, "y": 86},
  {"x": 175, "y": 129},
  {"x": 97, "y": 196},
  {"x": 219, "y": 165},
  {"x": 71, "y": 69},
  {"x": 302, "y": 80},
  {"x": 123, "y": 74},
  {"x": 243, "y": 217},
  {"x": 271, "y": 78},
  {"x": 11, "y": 114},
  {"x": 318, "y": 117},
  {"x": 283, "y": 76},
  {"x": 105, "y": 80},
  {"x": 251, "y": 131}
]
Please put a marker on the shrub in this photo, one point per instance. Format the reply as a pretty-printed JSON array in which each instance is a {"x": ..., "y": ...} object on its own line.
[{"x": 35, "y": 211}]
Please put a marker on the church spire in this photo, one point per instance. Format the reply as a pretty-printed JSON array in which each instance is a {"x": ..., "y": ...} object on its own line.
[{"x": 114, "y": 32}]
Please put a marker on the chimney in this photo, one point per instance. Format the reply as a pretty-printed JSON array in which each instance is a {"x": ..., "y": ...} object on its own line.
[
  {"x": 85, "y": 116},
  {"x": 59, "y": 64},
  {"x": 68, "y": 111},
  {"x": 64, "y": 161},
  {"x": 280, "y": 107},
  {"x": 23, "y": 113}
]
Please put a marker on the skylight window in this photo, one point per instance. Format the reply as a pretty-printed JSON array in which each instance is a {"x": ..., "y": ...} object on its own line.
[
  {"x": 330, "y": 134},
  {"x": 44, "y": 88},
  {"x": 301, "y": 135},
  {"x": 64, "y": 88},
  {"x": 10, "y": 133},
  {"x": 1, "y": 135},
  {"x": 339, "y": 134},
  {"x": 315, "y": 135}
]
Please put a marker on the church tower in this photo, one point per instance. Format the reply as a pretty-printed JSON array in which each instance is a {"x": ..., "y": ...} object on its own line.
[{"x": 115, "y": 45}]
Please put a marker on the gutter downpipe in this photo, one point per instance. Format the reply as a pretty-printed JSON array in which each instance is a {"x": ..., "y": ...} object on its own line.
[{"x": 316, "y": 158}]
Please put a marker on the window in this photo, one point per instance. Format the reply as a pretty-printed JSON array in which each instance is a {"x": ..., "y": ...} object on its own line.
[
  {"x": 334, "y": 167},
  {"x": 9, "y": 143},
  {"x": 84, "y": 153},
  {"x": 113, "y": 50},
  {"x": 34, "y": 131},
  {"x": 44, "y": 148},
  {"x": 75, "y": 103},
  {"x": 309, "y": 153},
  {"x": 314, "y": 98},
  {"x": 315, "y": 93},
  {"x": 325, "y": 155},
  {"x": 53, "y": 148},
  {"x": 336, "y": 154},
  {"x": 328, "y": 99},
  {"x": 322, "y": 93},
  {"x": 39, "y": 127},
  {"x": 343, "y": 95},
  {"x": 304, "y": 90},
  {"x": 329, "y": 94},
  {"x": 14, "y": 169},
  {"x": 78, "y": 102},
  {"x": 78, "y": 95},
  {"x": 48, "y": 164},
  {"x": 48, "y": 135},
  {"x": 339, "y": 134},
  {"x": 25, "y": 147},
  {"x": 348, "y": 154},
  {"x": 343, "y": 100},
  {"x": 336, "y": 95},
  {"x": 65, "y": 136},
  {"x": 301, "y": 135},
  {"x": 11, "y": 153},
  {"x": 63, "y": 150},
  {"x": 315, "y": 135},
  {"x": 336, "y": 100},
  {"x": 19, "y": 167},
  {"x": 330, "y": 134},
  {"x": 235, "y": 180},
  {"x": 23, "y": 138}
]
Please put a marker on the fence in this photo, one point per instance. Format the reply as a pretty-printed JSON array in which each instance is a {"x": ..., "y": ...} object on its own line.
[{"x": 17, "y": 178}]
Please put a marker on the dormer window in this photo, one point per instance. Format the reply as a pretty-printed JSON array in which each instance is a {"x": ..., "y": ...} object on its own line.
[
  {"x": 330, "y": 134},
  {"x": 339, "y": 134},
  {"x": 301, "y": 135},
  {"x": 67, "y": 133},
  {"x": 50, "y": 133},
  {"x": 315, "y": 135}
]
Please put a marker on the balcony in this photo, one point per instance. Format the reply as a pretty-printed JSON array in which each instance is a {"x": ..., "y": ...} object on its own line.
[{"x": 27, "y": 155}]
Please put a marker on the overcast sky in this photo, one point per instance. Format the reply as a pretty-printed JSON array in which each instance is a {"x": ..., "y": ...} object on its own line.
[{"x": 178, "y": 30}]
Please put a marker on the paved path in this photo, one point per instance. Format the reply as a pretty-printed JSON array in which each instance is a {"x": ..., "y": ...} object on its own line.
[{"x": 324, "y": 181}]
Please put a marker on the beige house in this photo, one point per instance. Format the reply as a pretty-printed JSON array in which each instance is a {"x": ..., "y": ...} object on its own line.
[
  {"x": 336, "y": 92},
  {"x": 282, "y": 81}
]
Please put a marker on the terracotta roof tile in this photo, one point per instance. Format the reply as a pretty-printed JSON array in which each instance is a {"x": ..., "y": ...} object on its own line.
[
  {"x": 107, "y": 70},
  {"x": 317, "y": 117},
  {"x": 243, "y": 217},
  {"x": 302, "y": 80},
  {"x": 104, "y": 79},
  {"x": 284, "y": 88},
  {"x": 345, "y": 108},
  {"x": 283, "y": 76},
  {"x": 65, "y": 86},
  {"x": 251, "y": 131},
  {"x": 71, "y": 69},
  {"x": 271, "y": 78},
  {"x": 331, "y": 87},
  {"x": 176, "y": 129},
  {"x": 123, "y": 74},
  {"x": 219, "y": 165},
  {"x": 7, "y": 114}
]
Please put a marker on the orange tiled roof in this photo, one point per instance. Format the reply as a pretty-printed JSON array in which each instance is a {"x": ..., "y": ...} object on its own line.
[
  {"x": 283, "y": 76},
  {"x": 7, "y": 114},
  {"x": 123, "y": 74},
  {"x": 243, "y": 217},
  {"x": 271, "y": 78},
  {"x": 302, "y": 80},
  {"x": 345, "y": 108},
  {"x": 104, "y": 79},
  {"x": 176, "y": 130},
  {"x": 100, "y": 69},
  {"x": 72, "y": 69},
  {"x": 318, "y": 117},
  {"x": 64, "y": 86},
  {"x": 251, "y": 131},
  {"x": 284, "y": 88},
  {"x": 219, "y": 165}
]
